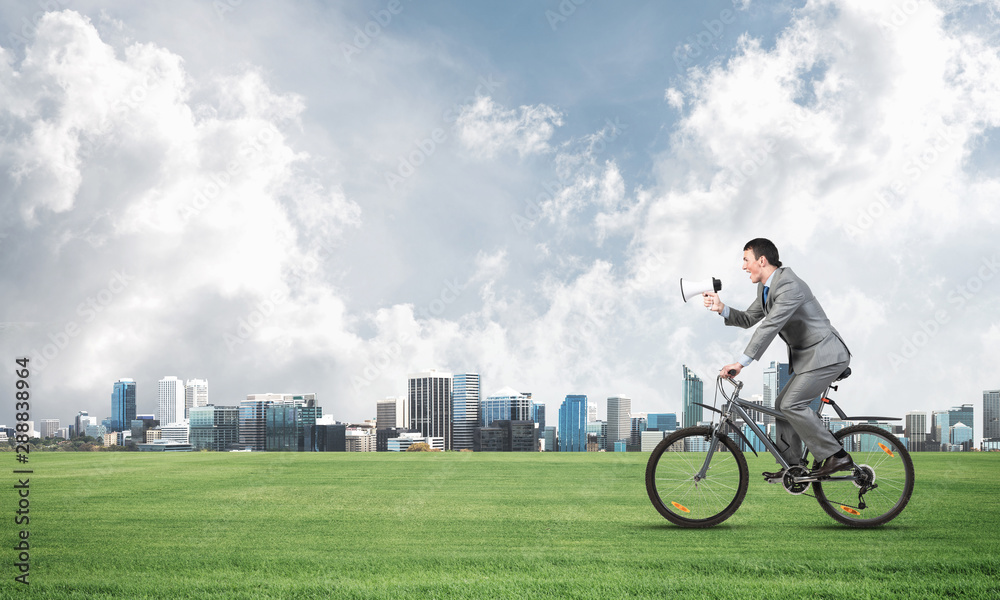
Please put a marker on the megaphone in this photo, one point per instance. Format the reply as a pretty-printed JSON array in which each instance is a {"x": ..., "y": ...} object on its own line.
[{"x": 690, "y": 289}]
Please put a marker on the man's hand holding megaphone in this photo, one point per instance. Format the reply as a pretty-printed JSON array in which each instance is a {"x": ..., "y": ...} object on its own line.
[{"x": 712, "y": 302}]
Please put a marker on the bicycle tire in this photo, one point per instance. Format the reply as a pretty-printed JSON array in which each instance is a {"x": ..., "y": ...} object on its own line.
[
  {"x": 883, "y": 456},
  {"x": 682, "y": 500}
]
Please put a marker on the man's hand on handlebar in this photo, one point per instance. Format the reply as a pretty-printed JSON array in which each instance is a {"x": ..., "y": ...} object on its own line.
[
  {"x": 730, "y": 371},
  {"x": 712, "y": 302}
]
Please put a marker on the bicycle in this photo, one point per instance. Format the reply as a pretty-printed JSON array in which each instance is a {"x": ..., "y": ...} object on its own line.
[{"x": 697, "y": 476}]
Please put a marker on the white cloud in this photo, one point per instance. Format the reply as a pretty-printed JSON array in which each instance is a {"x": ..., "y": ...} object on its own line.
[{"x": 487, "y": 129}]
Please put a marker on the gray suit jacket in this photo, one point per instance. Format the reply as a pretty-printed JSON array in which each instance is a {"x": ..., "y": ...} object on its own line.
[{"x": 794, "y": 314}]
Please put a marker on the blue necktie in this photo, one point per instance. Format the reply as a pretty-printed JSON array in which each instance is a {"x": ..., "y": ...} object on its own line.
[{"x": 765, "y": 297}]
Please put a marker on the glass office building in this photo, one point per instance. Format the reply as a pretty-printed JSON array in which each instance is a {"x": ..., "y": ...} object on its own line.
[
  {"x": 214, "y": 427},
  {"x": 573, "y": 424},
  {"x": 122, "y": 405},
  {"x": 692, "y": 393}
]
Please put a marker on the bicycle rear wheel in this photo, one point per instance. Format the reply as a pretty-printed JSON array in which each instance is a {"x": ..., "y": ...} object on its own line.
[
  {"x": 882, "y": 480},
  {"x": 675, "y": 490}
]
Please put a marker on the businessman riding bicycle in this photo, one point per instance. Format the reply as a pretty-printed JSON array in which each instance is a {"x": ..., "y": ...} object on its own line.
[{"x": 817, "y": 356}]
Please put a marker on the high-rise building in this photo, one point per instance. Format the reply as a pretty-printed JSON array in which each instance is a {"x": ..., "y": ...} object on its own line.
[
  {"x": 961, "y": 414},
  {"x": 429, "y": 404},
  {"x": 550, "y": 439},
  {"x": 538, "y": 416},
  {"x": 916, "y": 430},
  {"x": 598, "y": 430},
  {"x": 573, "y": 424},
  {"x": 775, "y": 377},
  {"x": 82, "y": 420},
  {"x": 253, "y": 426},
  {"x": 619, "y": 423},
  {"x": 465, "y": 399},
  {"x": 639, "y": 425},
  {"x": 286, "y": 424},
  {"x": 960, "y": 434},
  {"x": 661, "y": 421},
  {"x": 391, "y": 413},
  {"x": 692, "y": 393},
  {"x": 591, "y": 412},
  {"x": 170, "y": 399},
  {"x": 991, "y": 415},
  {"x": 122, "y": 404},
  {"x": 195, "y": 394},
  {"x": 214, "y": 427},
  {"x": 941, "y": 423},
  {"x": 50, "y": 427},
  {"x": 506, "y": 404}
]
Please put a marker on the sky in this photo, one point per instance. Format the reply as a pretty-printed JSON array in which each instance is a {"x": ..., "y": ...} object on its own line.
[{"x": 324, "y": 197}]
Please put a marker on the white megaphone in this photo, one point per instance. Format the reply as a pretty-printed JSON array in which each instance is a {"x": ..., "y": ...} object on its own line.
[{"x": 690, "y": 289}]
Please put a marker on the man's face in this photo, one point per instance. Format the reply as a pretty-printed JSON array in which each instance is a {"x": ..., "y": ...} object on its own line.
[{"x": 753, "y": 265}]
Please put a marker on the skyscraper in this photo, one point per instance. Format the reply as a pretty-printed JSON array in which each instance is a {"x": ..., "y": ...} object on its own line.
[
  {"x": 619, "y": 421},
  {"x": 465, "y": 398},
  {"x": 991, "y": 415},
  {"x": 939, "y": 427},
  {"x": 573, "y": 424},
  {"x": 195, "y": 394},
  {"x": 538, "y": 415},
  {"x": 591, "y": 412},
  {"x": 122, "y": 405},
  {"x": 692, "y": 393},
  {"x": 506, "y": 404},
  {"x": 775, "y": 378},
  {"x": 916, "y": 430},
  {"x": 391, "y": 413},
  {"x": 80, "y": 424},
  {"x": 170, "y": 400},
  {"x": 429, "y": 400},
  {"x": 49, "y": 428}
]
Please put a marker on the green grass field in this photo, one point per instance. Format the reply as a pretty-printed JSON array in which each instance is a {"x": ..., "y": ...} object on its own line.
[{"x": 463, "y": 525}]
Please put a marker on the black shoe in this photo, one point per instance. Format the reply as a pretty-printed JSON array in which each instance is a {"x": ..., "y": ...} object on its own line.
[
  {"x": 832, "y": 465},
  {"x": 775, "y": 476}
]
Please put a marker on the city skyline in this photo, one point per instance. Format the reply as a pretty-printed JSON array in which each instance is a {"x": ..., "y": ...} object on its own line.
[{"x": 507, "y": 403}]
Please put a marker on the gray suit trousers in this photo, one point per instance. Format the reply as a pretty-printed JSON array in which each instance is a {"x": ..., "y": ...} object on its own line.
[{"x": 803, "y": 424}]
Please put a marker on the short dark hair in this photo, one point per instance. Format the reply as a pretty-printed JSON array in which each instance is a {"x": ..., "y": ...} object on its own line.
[{"x": 766, "y": 248}]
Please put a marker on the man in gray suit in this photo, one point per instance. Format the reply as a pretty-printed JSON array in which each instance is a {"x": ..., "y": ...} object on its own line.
[{"x": 817, "y": 356}]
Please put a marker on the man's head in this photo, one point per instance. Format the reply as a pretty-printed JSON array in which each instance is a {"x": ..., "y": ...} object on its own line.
[{"x": 760, "y": 259}]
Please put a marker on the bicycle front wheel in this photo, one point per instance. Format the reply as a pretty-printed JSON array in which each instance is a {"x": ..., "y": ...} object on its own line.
[
  {"x": 880, "y": 485},
  {"x": 678, "y": 493}
]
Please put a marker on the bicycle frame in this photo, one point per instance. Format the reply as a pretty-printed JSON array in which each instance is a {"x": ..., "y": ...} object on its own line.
[{"x": 736, "y": 406}]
